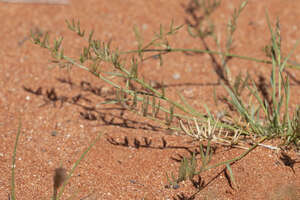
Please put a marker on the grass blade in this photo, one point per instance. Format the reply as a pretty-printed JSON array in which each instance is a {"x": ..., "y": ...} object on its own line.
[
  {"x": 13, "y": 192},
  {"x": 231, "y": 176},
  {"x": 76, "y": 164}
]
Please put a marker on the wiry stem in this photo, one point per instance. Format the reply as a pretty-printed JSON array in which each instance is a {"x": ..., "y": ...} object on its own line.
[{"x": 292, "y": 63}]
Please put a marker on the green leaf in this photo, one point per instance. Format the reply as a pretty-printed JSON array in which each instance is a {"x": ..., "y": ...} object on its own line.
[{"x": 231, "y": 176}]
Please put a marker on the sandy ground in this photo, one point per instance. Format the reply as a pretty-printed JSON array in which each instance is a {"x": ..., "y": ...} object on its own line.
[{"x": 52, "y": 103}]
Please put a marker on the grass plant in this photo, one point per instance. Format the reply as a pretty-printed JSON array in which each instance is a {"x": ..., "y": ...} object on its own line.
[
  {"x": 259, "y": 117},
  {"x": 98, "y": 52}
]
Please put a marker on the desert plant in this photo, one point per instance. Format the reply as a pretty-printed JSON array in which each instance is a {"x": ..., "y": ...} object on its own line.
[
  {"x": 187, "y": 170},
  {"x": 151, "y": 102},
  {"x": 275, "y": 125}
]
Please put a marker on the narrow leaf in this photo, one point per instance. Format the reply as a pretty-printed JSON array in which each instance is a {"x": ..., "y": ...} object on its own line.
[{"x": 231, "y": 176}]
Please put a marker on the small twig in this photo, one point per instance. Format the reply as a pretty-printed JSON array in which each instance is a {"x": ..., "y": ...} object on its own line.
[
  {"x": 63, "y": 2},
  {"x": 269, "y": 147}
]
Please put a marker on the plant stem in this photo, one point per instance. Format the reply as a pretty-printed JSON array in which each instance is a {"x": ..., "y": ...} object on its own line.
[
  {"x": 176, "y": 104},
  {"x": 293, "y": 64},
  {"x": 236, "y": 158},
  {"x": 13, "y": 193},
  {"x": 76, "y": 164}
]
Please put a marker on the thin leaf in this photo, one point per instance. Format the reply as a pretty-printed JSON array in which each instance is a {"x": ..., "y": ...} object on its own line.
[
  {"x": 13, "y": 192},
  {"x": 76, "y": 164},
  {"x": 231, "y": 176}
]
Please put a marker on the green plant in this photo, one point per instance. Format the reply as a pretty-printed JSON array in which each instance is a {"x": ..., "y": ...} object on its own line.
[
  {"x": 186, "y": 170},
  {"x": 275, "y": 125},
  {"x": 253, "y": 116},
  {"x": 293, "y": 136},
  {"x": 140, "y": 97}
]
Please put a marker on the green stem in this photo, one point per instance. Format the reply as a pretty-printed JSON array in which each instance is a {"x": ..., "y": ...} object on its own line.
[
  {"x": 176, "y": 104},
  {"x": 13, "y": 192},
  {"x": 130, "y": 91},
  {"x": 236, "y": 158},
  {"x": 293, "y": 65},
  {"x": 76, "y": 164}
]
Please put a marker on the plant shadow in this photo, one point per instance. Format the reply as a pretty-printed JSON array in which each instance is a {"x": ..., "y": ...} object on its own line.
[{"x": 113, "y": 115}]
